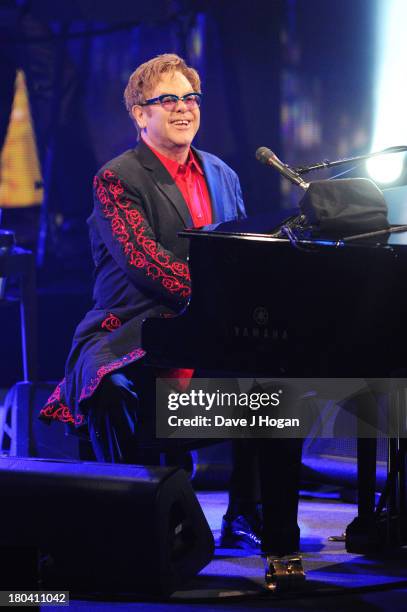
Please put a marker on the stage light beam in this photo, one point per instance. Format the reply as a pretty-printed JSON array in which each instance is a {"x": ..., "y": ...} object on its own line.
[{"x": 390, "y": 126}]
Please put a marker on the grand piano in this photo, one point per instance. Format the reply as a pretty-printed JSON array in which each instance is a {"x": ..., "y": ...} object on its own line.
[
  {"x": 313, "y": 307},
  {"x": 263, "y": 305}
]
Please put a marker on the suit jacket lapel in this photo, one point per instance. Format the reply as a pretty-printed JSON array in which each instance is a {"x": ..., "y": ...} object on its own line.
[
  {"x": 212, "y": 176},
  {"x": 164, "y": 182}
]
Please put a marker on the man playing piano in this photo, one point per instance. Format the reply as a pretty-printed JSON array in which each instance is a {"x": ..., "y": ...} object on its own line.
[{"x": 143, "y": 198}]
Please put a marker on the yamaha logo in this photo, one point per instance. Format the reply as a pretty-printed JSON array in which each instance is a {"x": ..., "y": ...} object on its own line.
[
  {"x": 261, "y": 315},
  {"x": 260, "y": 330}
]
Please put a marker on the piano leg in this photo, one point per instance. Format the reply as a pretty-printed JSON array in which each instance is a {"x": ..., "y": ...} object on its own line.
[
  {"x": 403, "y": 489},
  {"x": 361, "y": 535},
  {"x": 383, "y": 528},
  {"x": 366, "y": 461},
  {"x": 401, "y": 466},
  {"x": 280, "y": 469},
  {"x": 392, "y": 503},
  {"x": 395, "y": 490}
]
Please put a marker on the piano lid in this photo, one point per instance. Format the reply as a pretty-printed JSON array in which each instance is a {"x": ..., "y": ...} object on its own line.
[{"x": 267, "y": 226}]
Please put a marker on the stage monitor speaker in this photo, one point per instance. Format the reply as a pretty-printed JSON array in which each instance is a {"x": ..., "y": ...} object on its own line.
[{"x": 105, "y": 527}]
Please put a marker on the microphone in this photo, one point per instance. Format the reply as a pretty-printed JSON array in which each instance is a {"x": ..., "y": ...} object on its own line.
[{"x": 266, "y": 156}]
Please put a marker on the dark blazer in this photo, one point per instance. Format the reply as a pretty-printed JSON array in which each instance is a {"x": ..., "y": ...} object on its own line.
[{"x": 141, "y": 267}]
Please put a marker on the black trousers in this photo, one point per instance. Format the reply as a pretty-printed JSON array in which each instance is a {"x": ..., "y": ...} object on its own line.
[{"x": 122, "y": 430}]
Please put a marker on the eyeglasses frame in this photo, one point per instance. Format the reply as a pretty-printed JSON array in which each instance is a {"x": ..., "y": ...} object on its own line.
[{"x": 158, "y": 99}]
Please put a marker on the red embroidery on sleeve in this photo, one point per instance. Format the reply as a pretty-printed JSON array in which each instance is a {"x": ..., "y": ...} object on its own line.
[
  {"x": 57, "y": 410},
  {"x": 130, "y": 230},
  {"x": 111, "y": 322}
]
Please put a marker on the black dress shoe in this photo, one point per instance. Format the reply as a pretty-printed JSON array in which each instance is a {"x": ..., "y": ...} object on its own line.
[{"x": 241, "y": 532}]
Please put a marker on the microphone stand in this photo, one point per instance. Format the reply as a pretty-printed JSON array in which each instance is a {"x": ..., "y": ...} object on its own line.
[{"x": 347, "y": 160}]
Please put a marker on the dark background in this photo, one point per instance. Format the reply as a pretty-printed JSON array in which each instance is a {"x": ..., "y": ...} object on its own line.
[{"x": 293, "y": 75}]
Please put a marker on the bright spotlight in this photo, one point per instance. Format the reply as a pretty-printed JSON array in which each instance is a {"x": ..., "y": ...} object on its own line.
[
  {"x": 390, "y": 126},
  {"x": 386, "y": 168}
]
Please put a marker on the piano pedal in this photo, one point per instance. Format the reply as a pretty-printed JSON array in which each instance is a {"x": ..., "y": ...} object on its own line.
[
  {"x": 338, "y": 538},
  {"x": 284, "y": 573}
]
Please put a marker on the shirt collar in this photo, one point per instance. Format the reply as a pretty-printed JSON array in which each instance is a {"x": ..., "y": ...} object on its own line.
[{"x": 173, "y": 167}]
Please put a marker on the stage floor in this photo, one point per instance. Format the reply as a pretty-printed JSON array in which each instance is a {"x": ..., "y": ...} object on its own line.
[{"x": 337, "y": 581}]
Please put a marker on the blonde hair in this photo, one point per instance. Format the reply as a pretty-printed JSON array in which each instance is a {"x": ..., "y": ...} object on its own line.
[{"x": 144, "y": 79}]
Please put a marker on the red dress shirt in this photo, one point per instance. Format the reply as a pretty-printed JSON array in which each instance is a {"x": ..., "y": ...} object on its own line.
[{"x": 190, "y": 180}]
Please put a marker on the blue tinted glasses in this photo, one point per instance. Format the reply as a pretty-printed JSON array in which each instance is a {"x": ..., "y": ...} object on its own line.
[{"x": 169, "y": 101}]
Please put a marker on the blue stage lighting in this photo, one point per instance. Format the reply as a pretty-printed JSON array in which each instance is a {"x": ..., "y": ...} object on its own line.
[{"x": 390, "y": 126}]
